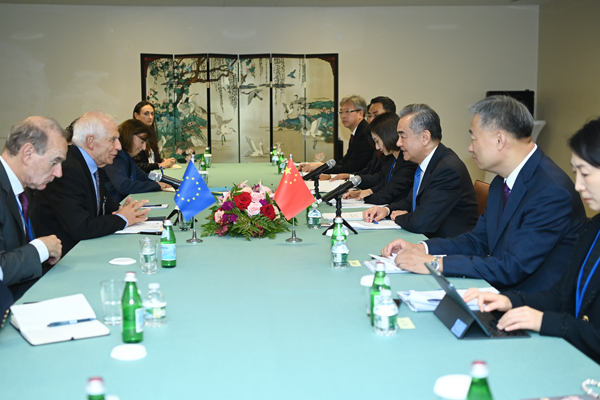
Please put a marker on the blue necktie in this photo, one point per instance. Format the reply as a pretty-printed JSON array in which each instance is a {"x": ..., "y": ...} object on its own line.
[
  {"x": 416, "y": 186},
  {"x": 97, "y": 183}
]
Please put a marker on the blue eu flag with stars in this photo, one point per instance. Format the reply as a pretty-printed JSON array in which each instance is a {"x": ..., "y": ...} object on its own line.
[{"x": 193, "y": 195}]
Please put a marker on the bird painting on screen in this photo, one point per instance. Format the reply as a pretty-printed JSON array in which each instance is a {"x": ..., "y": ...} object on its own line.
[
  {"x": 255, "y": 151},
  {"x": 252, "y": 94}
]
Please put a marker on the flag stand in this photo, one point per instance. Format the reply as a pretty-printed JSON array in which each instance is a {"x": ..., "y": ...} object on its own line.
[
  {"x": 293, "y": 239},
  {"x": 194, "y": 239}
]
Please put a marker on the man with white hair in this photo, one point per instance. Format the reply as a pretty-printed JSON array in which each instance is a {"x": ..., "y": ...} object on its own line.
[{"x": 77, "y": 206}]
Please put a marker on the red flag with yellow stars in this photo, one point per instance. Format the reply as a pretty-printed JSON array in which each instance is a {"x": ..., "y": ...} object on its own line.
[{"x": 292, "y": 195}]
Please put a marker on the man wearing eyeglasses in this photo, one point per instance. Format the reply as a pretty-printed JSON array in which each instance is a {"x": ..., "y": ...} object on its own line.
[{"x": 360, "y": 150}]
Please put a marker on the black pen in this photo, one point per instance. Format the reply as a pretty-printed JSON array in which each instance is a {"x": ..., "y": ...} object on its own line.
[
  {"x": 153, "y": 205},
  {"x": 149, "y": 233},
  {"x": 71, "y": 322}
]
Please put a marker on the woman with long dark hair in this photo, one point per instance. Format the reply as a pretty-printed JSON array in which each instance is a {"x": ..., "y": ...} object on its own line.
[{"x": 149, "y": 159}]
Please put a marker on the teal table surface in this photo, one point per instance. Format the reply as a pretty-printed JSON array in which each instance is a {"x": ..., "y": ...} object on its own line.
[{"x": 267, "y": 319}]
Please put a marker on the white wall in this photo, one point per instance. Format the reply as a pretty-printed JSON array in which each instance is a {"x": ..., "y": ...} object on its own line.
[{"x": 65, "y": 60}]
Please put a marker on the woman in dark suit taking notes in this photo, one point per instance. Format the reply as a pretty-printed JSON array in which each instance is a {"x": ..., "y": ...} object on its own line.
[
  {"x": 149, "y": 158},
  {"x": 124, "y": 176},
  {"x": 571, "y": 308}
]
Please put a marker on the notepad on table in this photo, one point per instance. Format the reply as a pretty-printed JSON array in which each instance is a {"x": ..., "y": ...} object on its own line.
[
  {"x": 348, "y": 216},
  {"x": 388, "y": 262},
  {"x": 32, "y": 320},
  {"x": 141, "y": 227},
  {"x": 383, "y": 224}
]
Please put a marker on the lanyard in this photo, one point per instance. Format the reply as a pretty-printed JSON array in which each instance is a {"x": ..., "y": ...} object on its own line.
[
  {"x": 391, "y": 170},
  {"x": 27, "y": 222},
  {"x": 579, "y": 294}
]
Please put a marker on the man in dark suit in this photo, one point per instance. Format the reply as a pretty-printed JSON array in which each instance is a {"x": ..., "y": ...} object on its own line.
[
  {"x": 525, "y": 236},
  {"x": 360, "y": 150},
  {"x": 32, "y": 157},
  {"x": 442, "y": 201},
  {"x": 77, "y": 206}
]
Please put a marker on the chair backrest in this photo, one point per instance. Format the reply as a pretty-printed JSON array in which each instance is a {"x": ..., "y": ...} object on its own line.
[{"x": 482, "y": 191}]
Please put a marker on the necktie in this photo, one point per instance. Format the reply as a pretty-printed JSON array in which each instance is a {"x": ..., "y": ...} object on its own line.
[
  {"x": 506, "y": 194},
  {"x": 97, "y": 182},
  {"x": 416, "y": 186},
  {"x": 25, "y": 210}
]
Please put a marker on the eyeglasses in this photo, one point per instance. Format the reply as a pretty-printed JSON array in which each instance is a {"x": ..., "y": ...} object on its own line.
[{"x": 347, "y": 112}]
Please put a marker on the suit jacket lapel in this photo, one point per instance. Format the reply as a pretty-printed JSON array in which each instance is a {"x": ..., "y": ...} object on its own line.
[
  {"x": 11, "y": 201},
  {"x": 437, "y": 155},
  {"x": 515, "y": 199},
  {"x": 88, "y": 176}
]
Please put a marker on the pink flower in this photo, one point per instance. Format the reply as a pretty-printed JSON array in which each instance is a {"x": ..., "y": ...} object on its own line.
[
  {"x": 219, "y": 215},
  {"x": 257, "y": 197},
  {"x": 225, "y": 197},
  {"x": 247, "y": 189},
  {"x": 254, "y": 209}
]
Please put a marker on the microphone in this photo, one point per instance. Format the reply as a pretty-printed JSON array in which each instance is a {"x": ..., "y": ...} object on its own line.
[
  {"x": 328, "y": 165},
  {"x": 157, "y": 177},
  {"x": 353, "y": 182}
]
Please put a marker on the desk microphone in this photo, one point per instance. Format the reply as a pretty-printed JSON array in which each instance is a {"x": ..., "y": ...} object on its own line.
[
  {"x": 340, "y": 190},
  {"x": 328, "y": 165},
  {"x": 157, "y": 177}
]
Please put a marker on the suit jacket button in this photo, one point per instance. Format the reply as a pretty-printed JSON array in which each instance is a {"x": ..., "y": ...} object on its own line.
[{"x": 585, "y": 318}]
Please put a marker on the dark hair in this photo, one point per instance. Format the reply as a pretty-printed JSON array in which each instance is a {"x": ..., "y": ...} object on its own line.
[
  {"x": 69, "y": 131},
  {"x": 387, "y": 103},
  {"x": 130, "y": 128},
  {"x": 506, "y": 113},
  {"x": 585, "y": 143},
  {"x": 386, "y": 127},
  {"x": 424, "y": 118},
  {"x": 152, "y": 137},
  {"x": 32, "y": 130}
]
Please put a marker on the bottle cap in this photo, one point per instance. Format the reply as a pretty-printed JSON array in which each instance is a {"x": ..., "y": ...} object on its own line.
[
  {"x": 379, "y": 266},
  {"x": 479, "y": 369},
  {"x": 167, "y": 222},
  {"x": 338, "y": 220},
  {"x": 154, "y": 286},
  {"x": 315, "y": 205},
  {"x": 95, "y": 386},
  {"x": 130, "y": 277}
]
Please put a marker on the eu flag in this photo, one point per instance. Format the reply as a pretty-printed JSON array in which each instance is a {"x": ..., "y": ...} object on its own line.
[{"x": 193, "y": 195}]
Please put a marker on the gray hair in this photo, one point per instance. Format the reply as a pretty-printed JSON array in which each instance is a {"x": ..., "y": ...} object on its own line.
[
  {"x": 32, "y": 130},
  {"x": 358, "y": 101},
  {"x": 94, "y": 123},
  {"x": 505, "y": 113},
  {"x": 424, "y": 118}
]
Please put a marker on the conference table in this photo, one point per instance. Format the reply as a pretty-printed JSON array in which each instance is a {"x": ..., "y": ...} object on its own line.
[{"x": 268, "y": 319}]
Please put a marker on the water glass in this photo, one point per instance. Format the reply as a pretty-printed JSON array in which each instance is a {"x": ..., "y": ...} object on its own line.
[
  {"x": 111, "y": 292},
  {"x": 204, "y": 175},
  {"x": 184, "y": 224},
  {"x": 208, "y": 160},
  {"x": 149, "y": 250}
]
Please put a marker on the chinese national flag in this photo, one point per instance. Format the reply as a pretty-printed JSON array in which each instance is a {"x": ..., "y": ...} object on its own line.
[{"x": 292, "y": 195}]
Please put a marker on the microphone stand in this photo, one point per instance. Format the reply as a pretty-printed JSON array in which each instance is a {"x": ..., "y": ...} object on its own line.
[
  {"x": 315, "y": 180},
  {"x": 338, "y": 213}
]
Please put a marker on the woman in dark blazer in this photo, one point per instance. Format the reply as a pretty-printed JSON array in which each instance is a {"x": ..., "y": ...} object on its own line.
[
  {"x": 395, "y": 180},
  {"x": 149, "y": 158},
  {"x": 124, "y": 176},
  {"x": 571, "y": 308}
]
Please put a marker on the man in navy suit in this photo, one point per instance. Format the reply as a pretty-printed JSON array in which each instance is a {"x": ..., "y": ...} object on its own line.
[
  {"x": 524, "y": 238},
  {"x": 442, "y": 200},
  {"x": 32, "y": 157}
]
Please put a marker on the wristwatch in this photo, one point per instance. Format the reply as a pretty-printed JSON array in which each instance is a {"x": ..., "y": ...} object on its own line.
[{"x": 435, "y": 263}]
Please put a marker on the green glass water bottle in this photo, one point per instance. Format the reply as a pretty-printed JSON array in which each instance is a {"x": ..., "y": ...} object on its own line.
[
  {"x": 274, "y": 157},
  {"x": 282, "y": 164},
  {"x": 338, "y": 231},
  {"x": 133, "y": 311},
  {"x": 95, "y": 388},
  {"x": 168, "y": 248},
  {"x": 378, "y": 285},
  {"x": 202, "y": 166},
  {"x": 479, "y": 389}
]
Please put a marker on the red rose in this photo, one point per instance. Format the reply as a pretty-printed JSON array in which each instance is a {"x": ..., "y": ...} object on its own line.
[
  {"x": 268, "y": 211},
  {"x": 243, "y": 200}
]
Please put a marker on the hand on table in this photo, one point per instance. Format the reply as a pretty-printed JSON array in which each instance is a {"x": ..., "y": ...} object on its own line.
[
  {"x": 132, "y": 211},
  {"x": 375, "y": 213},
  {"x": 339, "y": 177},
  {"x": 309, "y": 167},
  {"x": 164, "y": 186},
  {"x": 396, "y": 213},
  {"x": 54, "y": 246},
  {"x": 167, "y": 163}
]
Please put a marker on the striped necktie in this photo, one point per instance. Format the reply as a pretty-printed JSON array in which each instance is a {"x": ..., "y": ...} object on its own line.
[{"x": 97, "y": 183}]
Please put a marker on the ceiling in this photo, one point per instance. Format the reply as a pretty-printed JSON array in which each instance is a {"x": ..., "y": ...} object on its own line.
[{"x": 284, "y": 3}]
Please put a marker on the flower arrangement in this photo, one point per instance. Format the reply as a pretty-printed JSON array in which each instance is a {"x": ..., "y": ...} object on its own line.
[{"x": 246, "y": 211}]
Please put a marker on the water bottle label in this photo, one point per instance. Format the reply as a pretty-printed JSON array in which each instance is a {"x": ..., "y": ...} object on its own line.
[
  {"x": 314, "y": 220},
  {"x": 340, "y": 257},
  {"x": 139, "y": 320},
  {"x": 156, "y": 312},
  {"x": 168, "y": 252}
]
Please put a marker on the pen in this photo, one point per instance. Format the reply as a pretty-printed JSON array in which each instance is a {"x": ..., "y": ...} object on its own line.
[
  {"x": 153, "y": 205},
  {"x": 375, "y": 222},
  {"x": 149, "y": 233},
  {"x": 162, "y": 171},
  {"x": 71, "y": 322}
]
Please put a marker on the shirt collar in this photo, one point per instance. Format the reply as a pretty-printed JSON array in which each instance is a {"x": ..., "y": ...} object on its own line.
[
  {"x": 512, "y": 178},
  {"x": 89, "y": 160},
  {"x": 427, "y": 159},
  {"x": 15, "y": 183}
]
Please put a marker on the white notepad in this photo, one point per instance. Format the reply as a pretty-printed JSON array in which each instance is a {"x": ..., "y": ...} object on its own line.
[
  {"x": 146, "y": 226},
  {"x": 32, "y": 320}
]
